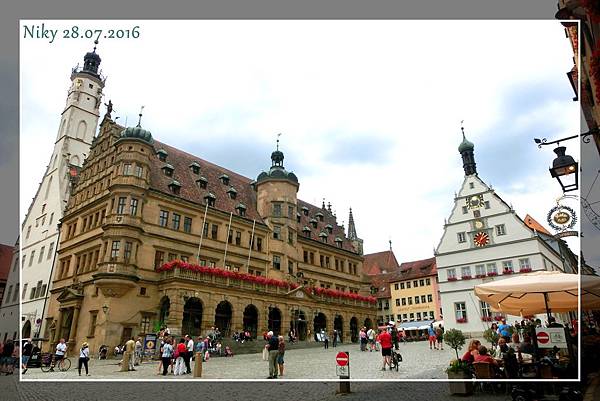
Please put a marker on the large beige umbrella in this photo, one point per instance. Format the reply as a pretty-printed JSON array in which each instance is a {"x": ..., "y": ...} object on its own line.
[
  {"x": 532, "y": 293},
  {"x": 590, "y": 292}
]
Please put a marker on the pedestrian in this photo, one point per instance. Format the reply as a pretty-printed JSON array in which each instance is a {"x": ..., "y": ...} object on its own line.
[
  {"x": 504, "y": 330},
  {"x": 280, "y": 354},
  {"x": 439, "y": 335},
  {"x": 325, "y": 340},
  {"x": 138, "y": 351},
  {"x": 371, "y": 339},
  {"x": 189, "y": 353},
  {"x": 180, "y": 351},
  {"x": 130, "y": 350},
  {"x": 432, "y": 339},
  {"x": 386, "y": 348},
  {"x": 273, "y": 347},
  {"x": 167, "y": 354},
  {"x": 335, "y": 338},
  {"x": 59, "y": 353},
  {"x": 84, "y": 357},
  {"x": 27, "y": 351},
  {"x": 6, "y": 362},
  {"x": 363, "y": 339}
]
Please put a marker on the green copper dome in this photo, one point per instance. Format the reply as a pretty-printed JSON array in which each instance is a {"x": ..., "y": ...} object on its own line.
[
  {"x": 465, "y": 145},
  {"x": 137, "y": 133}
]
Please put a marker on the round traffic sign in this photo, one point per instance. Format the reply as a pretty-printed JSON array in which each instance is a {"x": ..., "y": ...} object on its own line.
[
  {"x": 342, "y": 359},
  {"x": 543, "y": 337}
]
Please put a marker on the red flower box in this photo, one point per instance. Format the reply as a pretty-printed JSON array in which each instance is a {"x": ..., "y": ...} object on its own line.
[
  {"x": 492, "y": 274},
  {"x": 461, "y": 320},
  {"x": 214, "y": 271},
  {"x": 498, "y": 318},
  {"x": 466, "y": 277},
  {"x": 486, "y": 318},
  {"x": 480, "y": 276},
  {"x": 525, "y": 270},
  {"x": 507, "y": 272},
  {"x": 452, "y": 279}
]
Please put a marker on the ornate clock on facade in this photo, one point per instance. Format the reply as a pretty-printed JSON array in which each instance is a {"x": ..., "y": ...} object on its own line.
[
  {"x": 475, "y": 201},
  {"x": 478, "y": 224},
  {"x": 481, "y": 239}
]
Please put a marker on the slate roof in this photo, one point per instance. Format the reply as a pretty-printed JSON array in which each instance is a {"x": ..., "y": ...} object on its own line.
[{"x": 377, "y": 263}]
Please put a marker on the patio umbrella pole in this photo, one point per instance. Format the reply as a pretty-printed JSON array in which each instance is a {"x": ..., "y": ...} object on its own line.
[{"x": 548, "y": 311}]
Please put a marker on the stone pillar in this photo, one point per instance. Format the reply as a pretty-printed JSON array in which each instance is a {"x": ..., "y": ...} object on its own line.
[
  {"x": 73, "y": 332},
  {"x": 208, "y": 315},
  {"x": 263, "y": 318},
  {"x": 237, "y": 318},
  {"x": 58, "y": 327},
  {"x": 175, "y": 319},
  {"x": 285, "y": 320}
]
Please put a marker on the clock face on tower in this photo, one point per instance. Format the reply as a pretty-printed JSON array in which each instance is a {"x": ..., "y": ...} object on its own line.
[
  {"x": 481, "y": 239},
  {"x": 475, "y": 201}
]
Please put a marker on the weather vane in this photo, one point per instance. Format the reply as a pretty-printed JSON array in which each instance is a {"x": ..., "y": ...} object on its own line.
[
  {"x": 461, "y": 127},
  {"x": 140, "y": 120},
  {"x": 278, "y": 135}
]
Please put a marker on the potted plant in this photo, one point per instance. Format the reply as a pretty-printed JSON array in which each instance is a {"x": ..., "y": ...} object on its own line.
[
  {"x": 458, "y": 369},
  {"x": 491, "y": 336}
]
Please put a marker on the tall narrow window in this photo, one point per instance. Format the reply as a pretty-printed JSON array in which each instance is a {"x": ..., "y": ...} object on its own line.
[
  {"x": 133, "y": 205},
  {"x": 187, "y": 224},
  {"x": 121, "y": 205},
  {"x": 176, "y": 221},
  {"x": 31, "y": 257},
  {"x": 114, "y": 250},
  {"x": 460, "y": 311},
  {"x": 205, "y": 230},
  {"x": 238, "y": 238},
  {"x": 127, "y": 251},
  {"x": 138, "y": 171},
  {"x": 214, "y": 231},
  {"x": 277, "y": 262},
  {"x": 41, "y": 254},
  {"x": 163, "y": 219},
  {"x": 159, "y": 259},
  {"x": 50, "y": 250},
  {"x": 277, "y": 209},
  {"x": 127, "y": 169},
  {"x": 230, "y": 237}
]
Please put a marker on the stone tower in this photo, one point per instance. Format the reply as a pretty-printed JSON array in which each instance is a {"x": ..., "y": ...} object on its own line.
[
  {"x": 357, "y": 243},
  {"x": 39, "y": 236}
]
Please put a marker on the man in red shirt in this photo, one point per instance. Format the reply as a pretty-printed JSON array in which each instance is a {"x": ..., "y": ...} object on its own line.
[{"x": 385, "y": 339}]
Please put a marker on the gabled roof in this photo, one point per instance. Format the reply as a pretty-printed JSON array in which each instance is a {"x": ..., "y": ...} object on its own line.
[
  {"x": 534, "y": 225},
  {"x": 416, "y": 269},
  {"x": 380, "y": 262}
]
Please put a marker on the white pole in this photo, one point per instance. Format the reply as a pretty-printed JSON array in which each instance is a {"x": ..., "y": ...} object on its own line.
[
  {"x": 251, "y": 244},
  {"x": 227, "y": 242},
  {"x": 202, "y": 233}
]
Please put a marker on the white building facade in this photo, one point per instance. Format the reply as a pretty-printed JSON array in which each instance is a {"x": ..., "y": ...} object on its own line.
[
  {"x": 39, "y": 230},
  {"x": 485, "y": 240}
]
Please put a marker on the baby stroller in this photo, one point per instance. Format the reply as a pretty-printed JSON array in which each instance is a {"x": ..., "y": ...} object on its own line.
[
  {"x": 103, "y": 351},
  {"x": 228, "y": 351}
]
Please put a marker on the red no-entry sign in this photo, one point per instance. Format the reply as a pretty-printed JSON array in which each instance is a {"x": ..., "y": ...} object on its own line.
[
  {"x": 342, "y": 359},
  {"x": 543, "y": 337}
]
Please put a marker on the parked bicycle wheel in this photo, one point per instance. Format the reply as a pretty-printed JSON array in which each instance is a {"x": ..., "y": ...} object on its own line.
[
  {"x": 65, "y": 365},
  {"x": 46, "y": 363}
]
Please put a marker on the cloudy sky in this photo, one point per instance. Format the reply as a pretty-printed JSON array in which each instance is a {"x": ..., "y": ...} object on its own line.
[{"x": 370, "y": 111}]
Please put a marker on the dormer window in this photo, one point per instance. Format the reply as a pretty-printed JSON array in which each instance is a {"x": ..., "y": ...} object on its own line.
[
  {"x": 323, "y": 237},
  {"x": 224, "y": 179},
  {"x": 195, "y": 168},
  {"x": 210, "y": 199},
  {"x": 338, "y": 242},
  {"x": 175, "y": 187},
  {"x": 306, "y": 231},
  {"x": 232, "y": 192},
  {"x": 168, "y": 170},
  {"x": 202, "y": 182},
  {"x": 305, "y": 210},
  {"x": 298, "y": 217},
  {"x": 241, "y": 209},
  {"x": 162, "y": 155},
  {"x": 313, "y": 222},
  {"x": 329, "y": 228},
  {"x": 320, "y": 216}
]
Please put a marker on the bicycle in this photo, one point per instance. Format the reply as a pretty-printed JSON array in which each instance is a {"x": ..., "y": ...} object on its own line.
[
  {"x": 395, "y": 360},
  {"x": 47, "y": 363}
]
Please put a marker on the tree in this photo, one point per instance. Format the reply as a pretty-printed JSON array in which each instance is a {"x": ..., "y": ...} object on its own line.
[
  {"x": 491, "y": 335},
  {"x": 455, "y": 339}
]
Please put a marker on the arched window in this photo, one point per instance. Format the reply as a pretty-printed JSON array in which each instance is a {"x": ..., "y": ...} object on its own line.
[{"x": 81, "y": 130}]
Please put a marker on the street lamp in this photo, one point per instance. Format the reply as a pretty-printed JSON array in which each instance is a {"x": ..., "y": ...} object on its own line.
[{"x": 564, "y": 168}]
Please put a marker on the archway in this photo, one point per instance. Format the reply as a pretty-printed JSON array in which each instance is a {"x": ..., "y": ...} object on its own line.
[
  {"x": 223, "y": 315},
  {"x": 251, "y": 320},
  {"x": 26, "y": 332},
  {"x": 298, "y": 324},
  {"x": 192, "y": 317},
  {"x": 274, "y": 323},
  {"x": 165, "y": 305},
  {"x": 319, "y": 323},
  {"x": 65, "y": 325},
  {"x": 354, "y": 329},
  {"x": 338, "y": 324},
  {"x": 368, "y": 323}
]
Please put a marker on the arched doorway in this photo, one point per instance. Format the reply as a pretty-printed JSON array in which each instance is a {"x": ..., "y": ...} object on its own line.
[
  {"x": 65, "y": 325},
  {"x": 192, "y": 317},
  {"x": 298, "y": 324},
  {"x": 251, "y": 320},
  {"x": 223, "y": 315},
  {"x": 368, "y": 323},
  {"x": 26, "y": 332},
  {"x": 354, "y": 329},
  {"x": 274, "y": 323},
  {"x": 338, "y": 324},
  {"x": 319, "y": 323},
  {"x": 163, "y": 314}
]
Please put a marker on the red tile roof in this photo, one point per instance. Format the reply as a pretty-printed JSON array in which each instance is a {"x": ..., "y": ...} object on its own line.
[
  {"x": 6, "y": 254},
  {"x": 377, "y": 263},
  {"x": 415, "y": 269},
  {"x": 534, "y": 225},
  {"x": 245, "y": 194},
  {"x": 382, "y": 283}
]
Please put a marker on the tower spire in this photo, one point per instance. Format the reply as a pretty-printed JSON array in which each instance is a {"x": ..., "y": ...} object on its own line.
[
  {"x": 351, "y": 227},
  {"x": 91, "y": 62},
  {"x": 466, "y": 151}
]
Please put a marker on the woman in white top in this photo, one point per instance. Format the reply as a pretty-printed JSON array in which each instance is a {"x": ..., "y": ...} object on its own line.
[{"x": 84, "y": 357}]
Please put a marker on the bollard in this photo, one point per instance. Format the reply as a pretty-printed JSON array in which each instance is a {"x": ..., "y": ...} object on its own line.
[
  {"x": 125, "y": 362},
  {"x": 198, "y": 365},
  {"x": 344, "y": 386}
]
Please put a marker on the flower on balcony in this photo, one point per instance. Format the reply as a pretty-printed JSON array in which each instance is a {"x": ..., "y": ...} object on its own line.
[
  {"x": 466, "y": 277},
  {"x": 486, "y": 318},
  {"x": 498, "y": 318},
  {"x": 452, "y": 279},
  {"x": 461, "y": 320},
  {"x": 525, "y": 270},
  {"x": 592, "y": 7},
  {"x": 480, "y": 276},
  {"x": 507, "y": 271},
  {"x": 492, "y": 274}
]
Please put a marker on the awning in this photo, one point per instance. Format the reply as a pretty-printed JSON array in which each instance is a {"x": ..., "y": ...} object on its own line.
[{"x": 418, "y": 325}]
